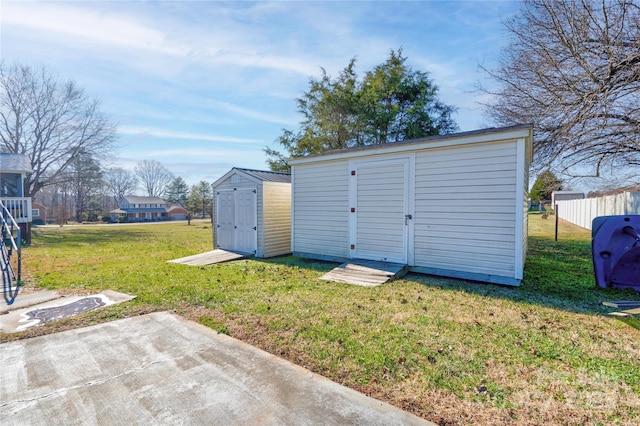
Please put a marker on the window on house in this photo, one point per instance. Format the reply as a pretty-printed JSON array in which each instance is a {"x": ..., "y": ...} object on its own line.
[
  {"x": 35, "y": 212},
  {"x": 10, "y": 185}
]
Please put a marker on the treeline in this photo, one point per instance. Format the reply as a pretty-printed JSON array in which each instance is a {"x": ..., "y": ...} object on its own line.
[{"x": 88, "y": 192}]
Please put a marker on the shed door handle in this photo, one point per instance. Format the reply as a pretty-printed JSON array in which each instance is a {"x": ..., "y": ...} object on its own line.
[{"x": 407, "y": 218}]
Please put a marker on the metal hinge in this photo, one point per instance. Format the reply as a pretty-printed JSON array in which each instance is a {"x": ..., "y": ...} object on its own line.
[{"x": 255, "y": 228}]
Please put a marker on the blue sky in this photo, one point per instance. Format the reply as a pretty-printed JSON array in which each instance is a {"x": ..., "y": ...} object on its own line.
[{"x": 203, "y": 86}]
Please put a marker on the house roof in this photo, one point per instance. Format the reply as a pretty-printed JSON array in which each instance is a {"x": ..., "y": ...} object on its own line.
[
  {"x": 176, "y": 208},
  {"x": 256, "y": 175},
  {"x": 15, "y": 163},
  {"x": 482, "y": 135},
  {"x": 134, "y": 199}
]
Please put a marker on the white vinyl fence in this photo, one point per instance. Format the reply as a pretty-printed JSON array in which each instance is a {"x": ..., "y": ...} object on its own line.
[{"x": 582, "y": 212}]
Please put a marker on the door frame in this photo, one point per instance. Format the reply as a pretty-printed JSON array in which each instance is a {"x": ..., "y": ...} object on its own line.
[
  {"x": 235, "y": 216},
  {"x": 408, "y": 159},
  {"x": 254, "y": 216}
]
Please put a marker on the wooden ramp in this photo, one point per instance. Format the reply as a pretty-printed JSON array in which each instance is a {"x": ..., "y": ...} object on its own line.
[
  {"x": 368, "y": 273},
  {"x": 210, "y": 257}
]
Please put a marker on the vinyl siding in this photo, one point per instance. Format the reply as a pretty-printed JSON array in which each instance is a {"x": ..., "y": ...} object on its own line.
[
  {"x": 528, "y": 159},
  {"x": 273, "y": 203},
  {"x": 464, "y": 208},
  {"x": 320, "y": 211},
  {"x": 276, "y": 231},
  {"x": 465, "y": 196}
]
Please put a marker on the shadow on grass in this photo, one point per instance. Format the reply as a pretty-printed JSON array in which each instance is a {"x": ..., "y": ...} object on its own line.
[
  {"x": 320, "y": 266},
  {"x": 73, "y": 236},
  {"x": 558, "y": 275}
]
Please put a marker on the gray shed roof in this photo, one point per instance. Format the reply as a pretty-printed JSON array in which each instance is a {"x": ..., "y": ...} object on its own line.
[
  {"x": 14, "y": 163},
  {"x": 266, "y": 175}
]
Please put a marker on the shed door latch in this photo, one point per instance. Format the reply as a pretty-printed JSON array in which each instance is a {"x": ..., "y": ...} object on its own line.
[{"x": 407, "y": 218}]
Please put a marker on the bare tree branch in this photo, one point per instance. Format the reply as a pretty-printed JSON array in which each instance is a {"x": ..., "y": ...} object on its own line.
[
  {"x": 154, "y": 177},
  {"x": 573, "y": 68},
  {"x": 50, "y": 121}
]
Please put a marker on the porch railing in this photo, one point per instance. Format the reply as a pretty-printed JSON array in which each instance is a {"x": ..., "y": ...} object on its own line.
[
  {"x": 10, "y": 246},
  {"x": 19, "y": 207}
]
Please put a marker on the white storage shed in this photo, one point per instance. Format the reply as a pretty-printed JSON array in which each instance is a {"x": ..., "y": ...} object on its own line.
[
  {"x": 453, "y": 205},
  {"x": 252, "y": 212}
]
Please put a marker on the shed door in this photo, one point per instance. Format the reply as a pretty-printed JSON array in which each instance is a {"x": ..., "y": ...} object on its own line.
[
  {"x": 381, "y": 210},
  {"x": 225, "y": 202},
  {"x": 237, "y": 220},
  {"x": 246, "y": 226}
]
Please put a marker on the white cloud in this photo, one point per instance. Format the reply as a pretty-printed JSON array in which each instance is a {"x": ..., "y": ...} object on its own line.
[
  {"x": 87, "y": 25},
  {"x": 214, "y": 46},
  {"x": 160, "y": 133},
  {"x": 251, "y": 114}
]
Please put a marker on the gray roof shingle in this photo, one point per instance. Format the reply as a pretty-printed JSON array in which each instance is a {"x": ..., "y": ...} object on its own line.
[
  {"x": 267, "y": 176},
  {"x": 14, "y": 163}
]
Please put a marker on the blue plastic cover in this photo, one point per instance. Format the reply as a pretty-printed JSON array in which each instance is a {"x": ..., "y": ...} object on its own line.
[{"x": 616, "y": 251}]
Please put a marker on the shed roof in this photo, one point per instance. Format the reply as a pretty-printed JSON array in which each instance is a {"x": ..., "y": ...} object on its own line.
[
  {"x": 257, "y": 175},
  {"x": 267, "y": 175},
  {"x": 474, "y": 136},
  {"x": 14, "y": 163},
  {"x": 567, "y": 192}
]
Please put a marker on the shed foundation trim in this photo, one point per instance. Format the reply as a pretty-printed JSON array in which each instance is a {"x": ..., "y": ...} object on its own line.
[{"x": 471, "y": 276}]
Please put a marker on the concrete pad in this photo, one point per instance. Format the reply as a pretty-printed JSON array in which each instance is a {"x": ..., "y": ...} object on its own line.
[
  {"x": 27, "y": 297},
  {"x": 160, "y": 369},
  {"x": 54, "y": 309}
]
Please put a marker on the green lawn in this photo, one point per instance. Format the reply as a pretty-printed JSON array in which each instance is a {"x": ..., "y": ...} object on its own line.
[{"x": 450, "y": 351}]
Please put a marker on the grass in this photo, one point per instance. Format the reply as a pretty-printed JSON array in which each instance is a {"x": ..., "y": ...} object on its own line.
[{"x": 450, "y": 351}]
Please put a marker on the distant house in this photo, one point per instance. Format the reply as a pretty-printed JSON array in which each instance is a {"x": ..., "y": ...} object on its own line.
[
  {"x": 141, "y": 209},
  {"x": 177, "y": 212},
  {"x": 38, "y": 213}
]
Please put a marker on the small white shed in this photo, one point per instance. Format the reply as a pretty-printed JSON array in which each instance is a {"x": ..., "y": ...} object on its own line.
[
  {"x": 453, "y": 205},
  {"x": 564, "y": 196},
  {"x": 252, "y": 212}
]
